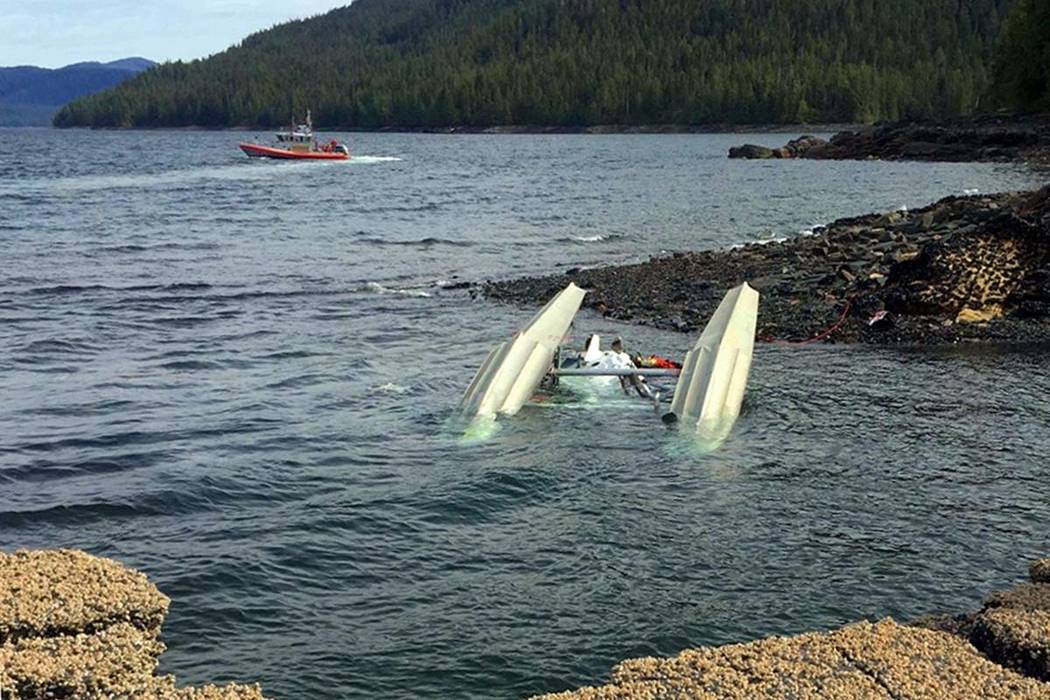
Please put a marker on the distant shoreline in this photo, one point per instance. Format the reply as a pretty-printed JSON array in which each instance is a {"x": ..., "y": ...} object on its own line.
[{"x": 599, "y": 130}]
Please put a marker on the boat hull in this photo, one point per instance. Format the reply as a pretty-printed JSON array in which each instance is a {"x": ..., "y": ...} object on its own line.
[{"x": 256, "y": 151}]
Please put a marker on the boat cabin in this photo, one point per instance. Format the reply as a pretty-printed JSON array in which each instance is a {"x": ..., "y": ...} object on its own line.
[{"x": 300, "y": 139}]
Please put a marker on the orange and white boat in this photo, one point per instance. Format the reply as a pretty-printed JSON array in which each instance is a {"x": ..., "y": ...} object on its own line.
[{"x": 299, "y": 143}]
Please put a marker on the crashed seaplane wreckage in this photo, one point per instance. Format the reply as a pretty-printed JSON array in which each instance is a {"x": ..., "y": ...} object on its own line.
[{"x": 710, "y": 386}]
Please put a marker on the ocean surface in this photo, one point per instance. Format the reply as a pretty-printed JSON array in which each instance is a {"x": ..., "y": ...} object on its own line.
[{"x": 240, "y": 377}]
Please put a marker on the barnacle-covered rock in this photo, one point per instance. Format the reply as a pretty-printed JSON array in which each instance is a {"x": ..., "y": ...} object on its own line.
[
  {"x": 1025, "y": 596},
  {"x": 78, "y": 626},
  {"x": 164, "y": 689},
  {"x": 56, "y": 592},
  {"x": 1039, "y": 571},
  {"x": 119, "y": 659},
  {"x": 871, "y": 661},
  {"x": 1017, "y": 638}
]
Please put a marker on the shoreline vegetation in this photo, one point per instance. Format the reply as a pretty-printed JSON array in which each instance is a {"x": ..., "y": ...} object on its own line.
[
  {"x": 1000, "y": 652},
  {"x": 73, "y": 625},
  {"x": 476, "y": 62}
]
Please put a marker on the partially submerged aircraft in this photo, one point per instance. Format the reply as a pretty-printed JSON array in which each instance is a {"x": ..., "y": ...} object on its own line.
[{"x": 710, "y": 384}]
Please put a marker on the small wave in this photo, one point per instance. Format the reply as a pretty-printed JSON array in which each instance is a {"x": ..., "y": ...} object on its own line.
[
  {"x": 190, "y": 365},
  {"x": 64, "y": 289},
  {"x": 427, "y": 242},
  {"x": 971, "y": 191},
  {"x": 390, "y": 388},
  {"x": 591, "y": 239},
  {"x": 58, "y": 345},
  {"x": 376, "y": 288},
  {"x": 760, "y": 241}
]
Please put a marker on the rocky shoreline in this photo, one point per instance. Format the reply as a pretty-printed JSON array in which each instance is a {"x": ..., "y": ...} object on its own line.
[
  {"x": 992, "y": 138},
  {"x": 1001, "y": 652},
  {"x": 973, "y": 268},
  {"x": 74, "y": 625}
]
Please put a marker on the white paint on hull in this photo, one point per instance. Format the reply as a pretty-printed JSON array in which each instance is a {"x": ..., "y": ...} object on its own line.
[
  {"x": 513, "y": 371},
  {"x": 711, "y": 386}
]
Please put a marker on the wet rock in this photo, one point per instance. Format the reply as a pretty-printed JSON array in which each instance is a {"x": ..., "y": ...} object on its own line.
[
  {"x": 1026, "y": 596},
  {"x": 804, "y": 145},
  {"x": 751, "y": 151},
  {"x": 998, "y": 138},
  {"x": 1039, "y": 571},
  {"x": 960, "y": 625},
  {"x": 957, "y": 270},
  {"x": 1016, "y": 638}
]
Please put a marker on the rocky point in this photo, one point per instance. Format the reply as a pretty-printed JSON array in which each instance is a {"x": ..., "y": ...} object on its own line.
[{"x": 964, "y": 268}]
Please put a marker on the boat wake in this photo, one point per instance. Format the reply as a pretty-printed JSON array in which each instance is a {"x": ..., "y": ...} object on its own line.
[
  {"x": 367, "y": 160},
  {"x": 239, "y": 172}
]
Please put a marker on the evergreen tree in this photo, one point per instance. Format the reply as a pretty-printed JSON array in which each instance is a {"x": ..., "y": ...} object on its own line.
[{"x": 417, "y": 63}]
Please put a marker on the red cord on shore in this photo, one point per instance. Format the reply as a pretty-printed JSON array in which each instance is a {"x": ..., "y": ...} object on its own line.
[{"x": 817, "y": 338}]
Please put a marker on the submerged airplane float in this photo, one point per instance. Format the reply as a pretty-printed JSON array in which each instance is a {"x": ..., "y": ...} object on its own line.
[{"x": 707, "y": 395}]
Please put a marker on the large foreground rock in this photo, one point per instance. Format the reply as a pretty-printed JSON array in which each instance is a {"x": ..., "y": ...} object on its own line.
[
  {"x": 77, "y": 626},
  {"x": 51, "y": 593},
  {"x": 932, "y": 659},
  {"x": 876, "y": 661},
  {"x": 1013, "y": 628}
]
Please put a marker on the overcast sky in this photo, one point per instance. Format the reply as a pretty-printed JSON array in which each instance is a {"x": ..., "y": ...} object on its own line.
[{"x": 55, "y": 33}]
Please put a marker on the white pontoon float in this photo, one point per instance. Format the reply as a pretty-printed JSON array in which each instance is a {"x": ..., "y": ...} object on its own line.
[{"x": 711, "y": 383}]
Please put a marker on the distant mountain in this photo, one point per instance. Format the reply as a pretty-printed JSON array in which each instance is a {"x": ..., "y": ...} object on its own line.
[
  {"x": 30, "y": 96},
  {"x": 420, "y": 63}
]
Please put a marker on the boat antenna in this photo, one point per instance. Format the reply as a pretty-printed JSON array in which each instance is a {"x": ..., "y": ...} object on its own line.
[{"x": 309, "y": 121}]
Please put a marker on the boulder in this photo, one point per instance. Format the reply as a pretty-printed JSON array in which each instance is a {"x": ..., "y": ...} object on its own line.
[
  {"x": 804, "y": 145},
  {"x": 751, "y": 151},
  {"x": 1039, "y": 571},
  {"x": 1016, "y": 638}
]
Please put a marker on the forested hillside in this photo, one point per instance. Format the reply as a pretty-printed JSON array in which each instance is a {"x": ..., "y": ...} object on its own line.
[
  {"x": 414, "y": 63},
  {"x": 1022, "y": 68}
]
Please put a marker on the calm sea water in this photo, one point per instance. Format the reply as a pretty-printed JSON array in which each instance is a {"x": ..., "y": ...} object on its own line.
[{"x": 238, "y": 376}]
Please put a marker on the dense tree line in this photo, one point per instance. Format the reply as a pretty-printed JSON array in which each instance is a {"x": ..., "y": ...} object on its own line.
[
  {"x": 1022, "y": 67},
  {"x": 579, "y": 62}
]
